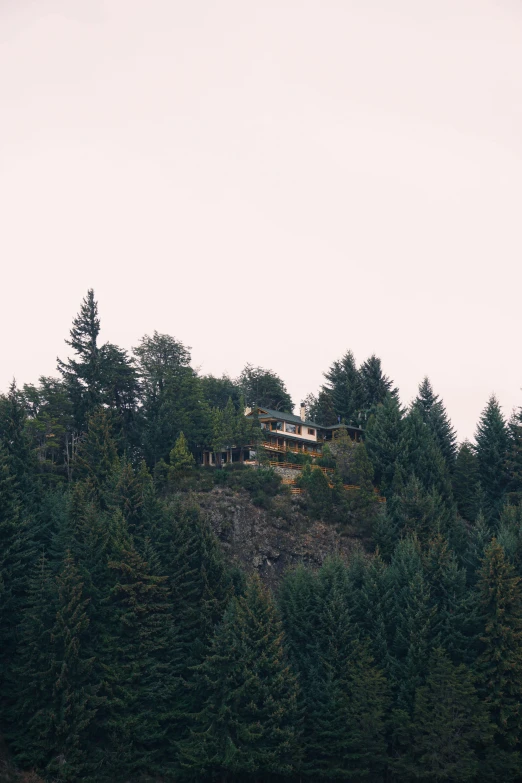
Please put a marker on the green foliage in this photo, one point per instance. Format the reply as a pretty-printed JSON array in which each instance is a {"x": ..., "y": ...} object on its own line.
[
  {"x": 180, "y": 457},
  {"x": 499, "y": 665},
  {"x": 449, "y": 726},
  {"x": 492, "y": 444},
  {"x": 264, "y": 388},
  {"x": 466, "y": 484},
  {"x": 249, "y": 723},
  {"x": 316, "y": 484},
  {"x": 344, "y": 384},
  {"x": 433, "y": 413},
  {"x": 385, "y": 442}
]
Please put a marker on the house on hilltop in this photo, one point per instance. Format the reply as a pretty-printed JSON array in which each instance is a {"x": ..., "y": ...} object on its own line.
[{"x": 285, "y": 432}]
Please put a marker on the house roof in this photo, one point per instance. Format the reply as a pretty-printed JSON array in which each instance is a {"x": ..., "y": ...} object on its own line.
[
  {"x": 269, "y": 413},
  {"x": 344, "y": 427}
]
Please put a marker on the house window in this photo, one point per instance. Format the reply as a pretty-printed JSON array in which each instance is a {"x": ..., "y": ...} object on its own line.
[
  {"x": 277, "y": 425},
  {"x": 311, "y": 431},
  {"x": 290, "y": 428}
]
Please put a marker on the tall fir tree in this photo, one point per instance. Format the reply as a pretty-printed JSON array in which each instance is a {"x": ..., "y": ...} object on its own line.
[
  {"x": 385, "y": 443},
  {"x": 499, "y": 665},
  {"x": 248, "y": 727},
  {"x": 433, "y": 413},
  {"x": 514, "y": 458},
  {"x": 59, "y": 695},
  {"x": 344, "y": 384},
  {"x": 466, "y": 484},
  {"x": 449, "y": 726},
  {"x": 492, "y": 444},
  {"x": 375, "y": 385},
  {"x": 82, "y": 375}
]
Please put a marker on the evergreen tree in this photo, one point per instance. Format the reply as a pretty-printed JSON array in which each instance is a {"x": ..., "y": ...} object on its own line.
[
  {"x": 180, "y": 457},
  {"x": 322, "y": 410},
  {"x": 375, "y": 384},
  {"x": 433, "y": 413},
  {"x": 14, "y": 436},
  {"x": 140, "y": 680},
  {"x": 466, "y": 485},
  {"x": 120, "y": 389},
  {"x": 499, "y": 666},
  {"x": 455, "y": 625},
  {"x": 492, "y": 443},
  {"x": 58, "y": 696},
  {"x": 514, "y": 458},
  {"x": 96, "y": 460},
  {"x": 385, "y": 444},
  {"x": 249, "y": 723},
  {"x": 479, "y": 537},
  {"x": 17, "y": 552},
  {"x": 423, "y": 457},
  {"x": 448, "y": 728},
  {"x": 346, "y": 389},
  {"x": 83, "y": 374}
]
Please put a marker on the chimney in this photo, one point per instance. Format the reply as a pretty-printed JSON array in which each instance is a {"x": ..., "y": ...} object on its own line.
[{"x": 302, "y": 412}]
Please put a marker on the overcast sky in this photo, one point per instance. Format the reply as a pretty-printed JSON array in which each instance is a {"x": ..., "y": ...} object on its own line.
[{"x": 271, "y": 181}]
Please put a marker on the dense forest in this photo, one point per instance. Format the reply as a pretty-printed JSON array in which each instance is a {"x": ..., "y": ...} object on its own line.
[{"x": 132, "y": 649}]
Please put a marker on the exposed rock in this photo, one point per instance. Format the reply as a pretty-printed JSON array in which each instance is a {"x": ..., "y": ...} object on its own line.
[{"x": 269, "y": 541}]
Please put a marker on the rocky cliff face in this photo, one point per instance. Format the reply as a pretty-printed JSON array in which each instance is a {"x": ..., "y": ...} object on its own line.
[{"x": 269, "y": 541}]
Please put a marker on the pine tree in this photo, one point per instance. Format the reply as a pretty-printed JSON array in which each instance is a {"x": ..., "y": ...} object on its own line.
[
  {"x": 83, "y": 375},
  {"x": 466, "y": 485},
  {"x": 479, "y": 537},
  {"x": 514, "y": 458},
  {"x": 410, "y": 622},
  {"x": 96, "y": 460},
  {"x": 249, "y": 724},
  {"x": 16, "y": 442},
  {"x": 62, "y": 714},
  {"x": 198, "y": 577},
  {"x": 423, "y": 457},
  {"x": 385, "y": 443},
  {"x": 323, "y": 411},
  {"x": 180, "y": 457},
  {"x": 449, "y": 726},
  {"x": 17, "y": 553},
  {"x": 499, "y": 666},
  {"x": 376, "y": 386},
  {"x": 455, "y": 625},
  {"x": 492, "y": 443},
  {"x": 433, "y": 413},
  {"x": 140, "y": 681},
  {"x": 345, "y": 386}
]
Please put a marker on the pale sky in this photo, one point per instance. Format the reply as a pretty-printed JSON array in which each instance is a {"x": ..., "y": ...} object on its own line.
[{"x": 271, "y": 181}]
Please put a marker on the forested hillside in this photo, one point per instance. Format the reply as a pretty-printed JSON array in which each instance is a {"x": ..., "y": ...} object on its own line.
[{"x": 137, "y": 645}]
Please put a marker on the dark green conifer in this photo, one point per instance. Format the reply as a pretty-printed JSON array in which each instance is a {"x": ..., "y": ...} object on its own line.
[
  {"x": 248, "y": 727},
  {"x": 140, "y": 682},
  {"x": 499, "y": 666},
  {"x": 96, "y": 460},
  {"x": 492, "y": 444},
  {"x": 346, "y": 389},
  {"x": 385, "y": 443},
  {"x": 466, "y": 485},
  {"x": 59, "y": 696},
  {"x": 433, "y": 413},
  {"x": 83, "y": 374},
  {"x": 514, "y": 458},
  {"x": 448, "y": 728}
]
